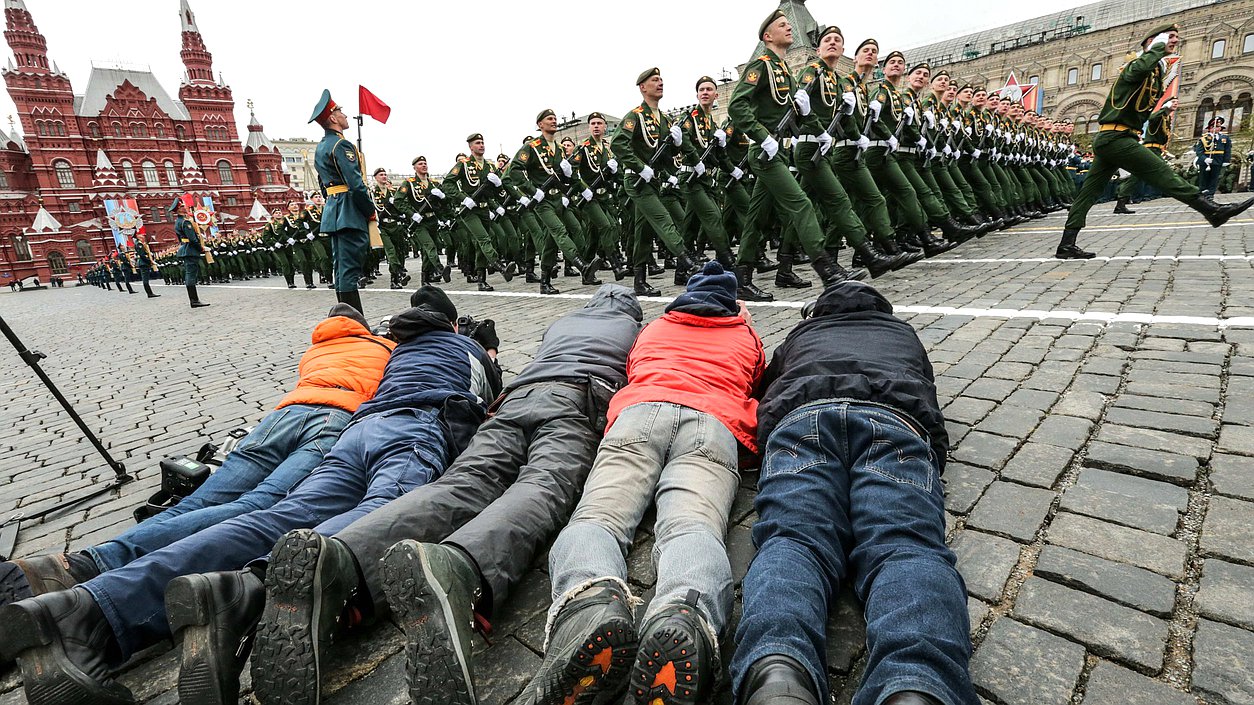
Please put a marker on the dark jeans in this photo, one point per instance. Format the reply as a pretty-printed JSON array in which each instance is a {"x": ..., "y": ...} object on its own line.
[
  {"x": 280, "y": 452},
  {"x": 377, "y": 459},
  {"x": 850, "y": 490},
  {"x": 512, "y": 488}
]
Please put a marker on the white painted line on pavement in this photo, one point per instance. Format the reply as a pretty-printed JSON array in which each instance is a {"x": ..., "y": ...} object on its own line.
[{"x": 1115, "y": 258}]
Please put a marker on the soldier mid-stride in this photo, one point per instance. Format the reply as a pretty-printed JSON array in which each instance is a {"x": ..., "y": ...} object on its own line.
[{"x": 1118, "y": 146}]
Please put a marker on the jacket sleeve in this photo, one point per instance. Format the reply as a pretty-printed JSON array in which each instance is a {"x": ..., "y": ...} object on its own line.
[
  {"x": 516, "y": 172},
  {"x": 621, "y": 141},
  {"x": 740, "y": 109},
  {"x": 1139, "y": 68}
]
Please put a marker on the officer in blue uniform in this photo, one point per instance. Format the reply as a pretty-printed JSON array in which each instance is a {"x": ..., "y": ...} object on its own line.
[
  {"x": 146, "y": 263},
  {"x": 190, "y": 250},
  {"x": 1213, "y": 151},
  {"x": 349, "y": 208}
]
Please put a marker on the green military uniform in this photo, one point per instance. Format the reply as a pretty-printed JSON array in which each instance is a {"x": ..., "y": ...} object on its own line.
[
  {"x": 469, "y": 183},
  {"x": 416, "y": 204},
  {"x": 393, "y": 232},
  {"x": 886, "y": 117},
  {"x": 701, "y": 155},
  {"x": 592, "y": 162}
]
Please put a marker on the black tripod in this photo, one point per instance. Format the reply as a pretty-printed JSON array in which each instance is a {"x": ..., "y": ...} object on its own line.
[{"x": 10, "y": 527}]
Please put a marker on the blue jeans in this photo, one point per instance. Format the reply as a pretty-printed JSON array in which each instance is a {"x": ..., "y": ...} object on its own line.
[
  {"x": 850, "y": 489},
  {"x": 277, "y": 454},
  {"x": 377, "y": 459}
]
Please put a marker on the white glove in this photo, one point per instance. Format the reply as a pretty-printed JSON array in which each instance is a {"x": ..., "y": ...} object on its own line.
[
  {"x": 468, "y": 202},
  {"x": 976, "y": 154},
  {"x": 1018, "y": 137},
  {"x": 647, "y": 174},
  {"x": 922, "y": 143},
  {"x": 491, "y": 214},
  {"x": 967, "y": 130},
  {"x": 496, "y": 180},
  {"x": 802, "y": 100},
  {"x": 672, "y": 180},
  {"x": 825, "y": 142},
  {"x": 988, "y": 128},
  {"x": 771, "y": 147},
  {"x": 737, "y": 173},
  {"x": 875, "y": 108},
  {"x": 538, "y": 196},
  {"x": 500, "y": 210},
  {"x": 612, "y": 165},
  {"x": 893, "y": 143},
  {"x": 565, "y": 202},
  {"x": 417, "y": 217},
  {"x": 437, "y": 193},
  {"x": 947, "y": 151},
  {"x": 524, "y": 201},
  {"x": 720, "y": 137},
  {"x": 909, "y": 113},
  {"x": 850, "y": 101},
  {"x": 677, "y": 135},
  {"x": 930, "y": 117},
  {"x": 1209, "y": 161},
  {"x": 699, "y": 169},
  {"x": 945, "y": 123},
  {"x": 1160, "y": 39},
  {"x": 587, "y": 194},
  {"x": 310, "y": 237},
  {"x": 566, "y": 168},
  {"x": 291, "y": 241},
  {"x": 864, "y": 142},
  {"x": 931, "y": 153}
]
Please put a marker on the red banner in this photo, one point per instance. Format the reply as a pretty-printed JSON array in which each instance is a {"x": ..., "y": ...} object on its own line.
[{"x": 369, "y": 104}]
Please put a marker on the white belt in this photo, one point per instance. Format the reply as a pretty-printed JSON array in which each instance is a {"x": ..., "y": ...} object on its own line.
[
  {"x": 846, "y": 143},
  {"x": 687, "y": 169},
  {"x": 878, "y": 143},
  {"x": 907, "y": 150},
  {"x": 806, "y": 138}
]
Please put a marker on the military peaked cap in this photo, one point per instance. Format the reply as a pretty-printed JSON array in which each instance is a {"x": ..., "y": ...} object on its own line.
[{"x": 324, "y": 107}]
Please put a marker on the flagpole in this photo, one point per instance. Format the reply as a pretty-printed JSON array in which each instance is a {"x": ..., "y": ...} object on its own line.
[{"x": 360, "y": 121}]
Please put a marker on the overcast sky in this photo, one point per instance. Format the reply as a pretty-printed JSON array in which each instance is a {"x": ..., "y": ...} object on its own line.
[{"x": 451, "y": 68}]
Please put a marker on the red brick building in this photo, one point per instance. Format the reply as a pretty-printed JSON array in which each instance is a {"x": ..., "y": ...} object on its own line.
[{"x": 124, "y": 136}]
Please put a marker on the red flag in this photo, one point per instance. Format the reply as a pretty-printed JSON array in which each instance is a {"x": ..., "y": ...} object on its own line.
[
  {"x": 369, "y": 104},
  {"x": 1171, "y": 89},
  {"x": 1032, "y": 98}
]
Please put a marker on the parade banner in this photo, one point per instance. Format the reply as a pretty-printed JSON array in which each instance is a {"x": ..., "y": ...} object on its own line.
[
  {"x": 1171, "y": 82},
  {"x": 125, "y": 221},
  {"x": 1028, "y": 95},
  {"x": 202, "y": 213}
]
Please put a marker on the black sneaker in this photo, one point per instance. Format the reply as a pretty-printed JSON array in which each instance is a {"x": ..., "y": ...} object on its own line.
[
  {"x": 675, "y": 663},
  {"x": 589, "y": 651},
  {"x": 432, "y": 590},
  {"x": 214, "y": 615},
  {"x": 308, "y": 582}
]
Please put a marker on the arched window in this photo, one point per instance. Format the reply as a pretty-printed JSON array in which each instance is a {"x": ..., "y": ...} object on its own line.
[
  {"x": 60, "y": 128},
  {"x": 1096, "y": 74},
  {"x": 1073, "y": 76},
  {"x": 65, "y": 176},
  {"x": 4, "y": 180},
  {"x": 21, "y": 248},
  {"x": 171, "y": 176},
  {"x": 1247, "y": 45},
  {"x": 1034, "y": 79},
  {"x": 94, "y": 130},
  {"x": 1217, "y": 49},
  {"x": 159, "y": 129},
  {"x": 84, "y": 251},
  {"x": 56, "y": 262},
  {"x": 117, "y": 129},
  {"x": 1093, "y": 123},
  {"x": 178, "y": 132},
  {"x": 1081, "y": 124},
  {"x": 128, "y": 173},
  {"x": 41, "y": 127},
  {"x": 225, "y": 176},
  {"x": 139, "y": 129},
  {"x": 151, "y": 178}
]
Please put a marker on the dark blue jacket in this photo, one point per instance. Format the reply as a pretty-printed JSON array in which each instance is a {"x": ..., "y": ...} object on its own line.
[
  {"x": 339, "y": 164},
  {"x": 189, "y": 241}
]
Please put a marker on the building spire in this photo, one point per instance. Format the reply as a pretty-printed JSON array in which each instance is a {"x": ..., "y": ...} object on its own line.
[
  {"x": 196, "y": 57},
  {"x": 30, "y": 49},
  {"x": 187, "y": 18}
]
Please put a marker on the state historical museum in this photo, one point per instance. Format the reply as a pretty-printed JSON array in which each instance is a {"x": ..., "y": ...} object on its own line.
[{"x": 124, "y": 137}]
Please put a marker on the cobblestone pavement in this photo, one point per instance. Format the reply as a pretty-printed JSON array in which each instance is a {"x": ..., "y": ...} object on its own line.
[{"x": 1100, "y": 493}]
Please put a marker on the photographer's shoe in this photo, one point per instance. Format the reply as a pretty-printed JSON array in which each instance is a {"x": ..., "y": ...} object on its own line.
[
  {"x": 589, "y": 651},
  {"x": 778, "y": 680},
  {"x": 60, "y": 640},
  {"x": 308, "y": 582},
  {"x": 59, "y": 571},
  {"x": 214, "y": 615},
  {"x": 674, "y": 665},
  {"x": 431, "y": 590}
]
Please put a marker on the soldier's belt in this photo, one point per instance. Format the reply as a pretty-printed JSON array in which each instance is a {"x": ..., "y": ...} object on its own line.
[
  {"x": 907, "y": 150},
  {"x": 1118, "y": 128},
  {"x": 336, "y": 190},
  {"x": 878, "y": 143},
  {"x": 845, "y": 143},
  {"x": 806, "y": 138},
  {"x": 1216, "y": 152},
  {"x": 1151, "y": 145}
]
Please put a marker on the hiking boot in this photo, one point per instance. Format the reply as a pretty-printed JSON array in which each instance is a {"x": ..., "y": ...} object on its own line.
[
  {"x": 589, "y": 651},
  {"x": 308, "y": 583},
  {"x": 1067, "y": 249},
  {"x": 777, "y": 679},
  {"x": 675, "y": 663},
  {"x": 60, "y": 640},
  {"x": 59, "y": 571},
  {"x": 215, "y": 616},
  {"x": 432, "y": 590}
]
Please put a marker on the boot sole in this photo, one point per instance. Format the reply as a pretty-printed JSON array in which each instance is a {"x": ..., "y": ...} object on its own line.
[
  {"x": 596, "y": 671},
  {"x": 666, "y": 671},
  {"x": 285, "y": 661},
  {"x": 438, "y": 670},
  {"x": 190, "y": 610},
  {"x": 49, "y": 677}
]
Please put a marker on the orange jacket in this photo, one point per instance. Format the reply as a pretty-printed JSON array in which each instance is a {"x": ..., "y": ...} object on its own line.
[{"x": 343, "y": 366}]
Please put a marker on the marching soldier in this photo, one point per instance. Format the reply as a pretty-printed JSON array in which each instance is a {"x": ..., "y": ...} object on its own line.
[
  {"x": 417, "y": 201},
  {"x": 473, "y": 181},
  {"x": 595, "y": 166},
  {"x": 393, "y": 230},
  {"x": 1131, "y": 100},
  {"x": 703, "y": 151},
  {"x": 147, "y": 263},
  {"x": 349, "y": 208},
  {"x": 120, "y": 267},
  {"x": 191, "y": 249},
  {"x": 1157, "y": 135}
]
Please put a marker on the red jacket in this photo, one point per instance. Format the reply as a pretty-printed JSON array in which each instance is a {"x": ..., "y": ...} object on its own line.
[
  {"x": 712, "y": 365},
  {"x": 343, "y": 366}
]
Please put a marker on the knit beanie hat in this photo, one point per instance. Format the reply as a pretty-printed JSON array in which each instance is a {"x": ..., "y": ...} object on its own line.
[
  {"x": 434, "y": 300},
  {"x": 712, "y": 289},
  {"x": 348, "y": 311}
]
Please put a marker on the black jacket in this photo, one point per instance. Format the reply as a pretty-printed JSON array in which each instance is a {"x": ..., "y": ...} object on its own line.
[{"x": 853, "y": 348}]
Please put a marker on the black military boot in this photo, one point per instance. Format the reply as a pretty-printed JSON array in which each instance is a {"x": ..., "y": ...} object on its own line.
[
  {"x": 785, "y": 278},
  {"x": 589, "y": 651},
  {"x": 1067, "y": 249},
  {"x": 148, "y": 290},
  {"x": 546, "y": 283},
  {"x": 778, "y": 680},
  {"x": 747, "y": 290},
  {"x": 291, "y": 281},
  {"x": 432, "y": 591},
  {"x": 906, "y": 244},
  {"x": 618, "y": 266},
  {"x": 531, "y": 273},
  {"x": 830, "y": 271},
  {"x": 308, "y": 582},
  {"x": 957, "y": 232},
  {"x": 194, "y": 297},
  {"x": 483, "y": 280},
  {"x": 507, "y": 271},
  {"x": 352, "y": 298},
  {"x": 933, "y": 246},
  {"x": 214, "y": 616},
  {"x": 1216, "y": 213},
  {"x": 63, "y": 644},
  {"x": 395, "y": 283},
  {"x": 642, "y": 285},
  {"x": 588, "y": 274},
  {"x": 655, "y": 270},
  {"x": 676, "y": 662},
  {"x": 686, "y": 265},
  {"x": 905, "y": 259},
  {"x": 765, "y": 264},
  {"x": 404, "y": 278},
  {"x": 876, "y": 262}
]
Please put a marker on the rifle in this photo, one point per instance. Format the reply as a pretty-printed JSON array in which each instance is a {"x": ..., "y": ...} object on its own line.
[
  {"x": 787, "y": 126},
  {"x": 475, "y": 196},
  {"x": 663, "y": 142}
]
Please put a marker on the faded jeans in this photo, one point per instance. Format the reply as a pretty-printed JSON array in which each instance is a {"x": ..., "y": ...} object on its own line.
[{"x": 686, "y": 461}]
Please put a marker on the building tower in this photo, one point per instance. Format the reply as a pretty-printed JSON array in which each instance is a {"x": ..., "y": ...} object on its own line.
[
  {"x": 265, "y": 164},
  {"x": 209, "y": 102}
]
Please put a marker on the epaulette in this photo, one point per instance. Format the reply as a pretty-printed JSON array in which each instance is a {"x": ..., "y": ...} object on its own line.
[
  {"x": 638, "y": 109},
  {"x": 537, "y": 142},
  {"x": 764, "y": 57},
  {"x": 463, "y": 160}
]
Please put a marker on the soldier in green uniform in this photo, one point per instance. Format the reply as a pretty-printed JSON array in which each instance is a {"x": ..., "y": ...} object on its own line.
[
  {"x": 320, "y": 246},
  {"x": 392, "y": 229},
  {"x": 1131, "y": 100},
  {"x": 418, "y": 201},
  {"x": 702, "y": 152},
  {"x": 298, "y": 232},
  {"x": 596, "y": 167},
  {"x": 349, "y": 208},
  {"x": 190, "y": 250},
  {"x": 472, "y": 182},
  {"x": 146, "y": 263},
  {"x": 764, "y": 95}
]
